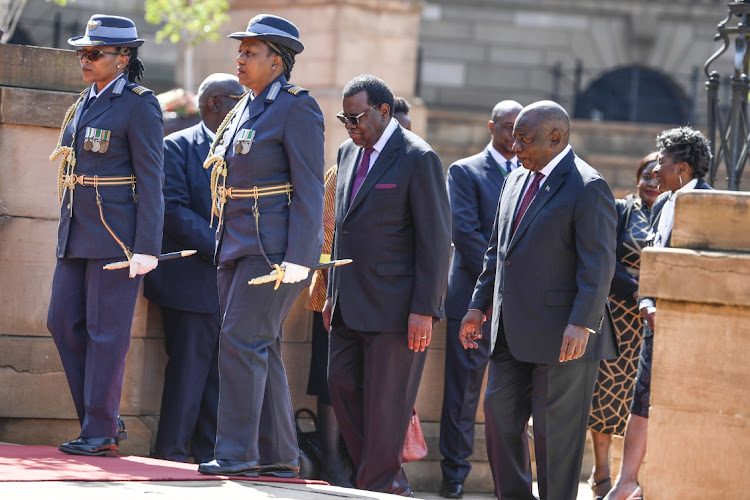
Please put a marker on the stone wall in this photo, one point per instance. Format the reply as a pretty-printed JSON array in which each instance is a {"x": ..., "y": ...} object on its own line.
[
  {"x": 700, "y": 390},
  {"x": 477, "y": 52}
]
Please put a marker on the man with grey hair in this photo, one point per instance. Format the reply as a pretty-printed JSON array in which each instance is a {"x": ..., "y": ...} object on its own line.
[
  {"x": 474, "y": 185},
  {"x": 545, "y": 282},
  {"x": 186, "y": 289}
]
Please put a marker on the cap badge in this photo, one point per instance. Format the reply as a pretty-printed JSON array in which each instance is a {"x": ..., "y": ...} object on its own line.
[{"x": 92, "y": 25}]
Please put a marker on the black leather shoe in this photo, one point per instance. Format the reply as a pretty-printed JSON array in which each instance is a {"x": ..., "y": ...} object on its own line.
[
  {"x": 92, "y": 447},
  {"x": 451, "y": 490},
  {"x": 223, "y": 467},
  {"x": 122, "y": 434},
  {"x": 289, "y": 468}
]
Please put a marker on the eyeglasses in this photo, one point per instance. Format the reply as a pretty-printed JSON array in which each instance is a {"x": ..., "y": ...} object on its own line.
[
  {"x": 231, "y": 96},
  {"x": 93, "y": 55},
  {"x": 353, "y": 120}
]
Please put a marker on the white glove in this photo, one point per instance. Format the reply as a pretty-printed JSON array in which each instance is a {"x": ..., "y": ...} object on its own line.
[
  {"x": 141, "y": 264},
  {"x": 293, "y": 272}
]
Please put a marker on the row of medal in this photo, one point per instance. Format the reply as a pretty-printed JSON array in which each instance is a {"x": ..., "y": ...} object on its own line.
[
  {"x": 97, "y": 140},
  {"x": 243, "y": 140}
]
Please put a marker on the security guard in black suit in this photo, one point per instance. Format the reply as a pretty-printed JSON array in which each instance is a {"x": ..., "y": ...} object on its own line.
[
  {"x": 111, "y": 208},
  {"x": 186, "y": 288},
  {"x": 267, "y": 181}
]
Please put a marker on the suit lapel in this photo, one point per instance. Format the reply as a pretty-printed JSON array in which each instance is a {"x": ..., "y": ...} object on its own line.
[
  {"x": 546, "y": 192},
  {"x": 382, "y": 164},
  {"x": 202, "y": 147},
  {"x": 493, "y": 169},
  {"x": 345, "y": 178},
  {"x": 100, "y": 105}
]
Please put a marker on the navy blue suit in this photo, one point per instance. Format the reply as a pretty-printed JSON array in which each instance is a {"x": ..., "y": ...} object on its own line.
[
  {"x": 288, "y": 147},
  {"x": 474, "y": 185},
  {"x": 91, "y": 310},
  {"x": 187, "y": 292}
]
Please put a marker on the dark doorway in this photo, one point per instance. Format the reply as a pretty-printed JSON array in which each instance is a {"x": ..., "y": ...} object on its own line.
[{"x": 634, "y": 94}]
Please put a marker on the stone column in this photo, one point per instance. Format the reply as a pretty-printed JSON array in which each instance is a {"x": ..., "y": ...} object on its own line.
[{"x": 698, "y": 436}]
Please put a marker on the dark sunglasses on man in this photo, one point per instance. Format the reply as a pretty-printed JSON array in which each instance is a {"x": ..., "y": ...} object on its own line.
[
  {"x": 353, "y": 120},
  {"x": 93, "y": 55}
]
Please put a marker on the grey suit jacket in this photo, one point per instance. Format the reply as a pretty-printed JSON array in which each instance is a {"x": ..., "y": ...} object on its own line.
[
  {"x": 556, "y": 269},
  {"x": 397, "y": 230}
]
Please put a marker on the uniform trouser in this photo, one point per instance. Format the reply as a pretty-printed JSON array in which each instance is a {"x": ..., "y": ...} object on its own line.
[
  {"x": 374, "y": 379},
  {"x": 191, "y": 386},
  {"x": 255, "y": 417},
  {"x": 90, "y": 315},
  {"x": 559, "y": 399},
  {"x": 464, "y": 373}
]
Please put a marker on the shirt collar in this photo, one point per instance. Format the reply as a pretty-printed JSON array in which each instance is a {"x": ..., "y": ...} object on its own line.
[
  {"x": 501, "y": 160},
  {"x": 93, "y": 93},
  {"x": 211, "y": 135},
  {"x": 547, "y": 170},
  {"x": 387, "y": 133}
]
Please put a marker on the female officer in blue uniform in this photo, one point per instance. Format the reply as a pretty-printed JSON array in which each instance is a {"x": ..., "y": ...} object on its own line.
[
  {"x": 111, "y": 208},
  {"x": 267, "y": 185}
]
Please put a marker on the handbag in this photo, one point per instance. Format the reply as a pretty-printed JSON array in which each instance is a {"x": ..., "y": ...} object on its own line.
[
  {"x": 310, "y": 445},
  {"x": 414, "y": 446}
]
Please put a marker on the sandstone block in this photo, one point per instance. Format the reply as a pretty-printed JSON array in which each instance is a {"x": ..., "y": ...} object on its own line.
[
  {"x": 21, "y": 65},
  {"x": 712, "y": 220},
  {"x": 30, "y": 189},
  {"x": 715, "y": 277},
  {"x": 692, "y": 348},
  {"x": 27, "y": 261},
  {"x": 32, "y": 380},
  {"x": 41, "y": 108},
  {"x": 39, "y": 431},
  {"x": 694, "y": 455}
]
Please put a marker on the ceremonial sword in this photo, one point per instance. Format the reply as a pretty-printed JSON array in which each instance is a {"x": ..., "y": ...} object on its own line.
[
  {"x": 278, "y": 274},
  {"x": 165, "y": 256}
]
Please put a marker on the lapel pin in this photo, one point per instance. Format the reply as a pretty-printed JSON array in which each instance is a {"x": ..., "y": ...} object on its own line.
[{"x": 546, "y": 188}]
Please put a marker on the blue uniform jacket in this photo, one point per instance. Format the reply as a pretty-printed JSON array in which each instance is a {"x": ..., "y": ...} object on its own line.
[
  {"x": 474, "y": 185},
  {"x": 288, "y": 147},
  {"x": 187, "y": 284},
  {"x": 135, "y": 147}
]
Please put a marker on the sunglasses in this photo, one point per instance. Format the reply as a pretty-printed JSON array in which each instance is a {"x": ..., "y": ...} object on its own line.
[
  {"x": 93, "y": 55},
  {"x": 353, "y": 120}
]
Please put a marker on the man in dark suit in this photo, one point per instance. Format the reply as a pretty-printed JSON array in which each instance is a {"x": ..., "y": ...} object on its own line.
[
  {"x": 474, "y": 185},
  {"x": 186, "y": 288},
  {"x": 546, "y": 277},
  {"x": 392, "y": 218}
]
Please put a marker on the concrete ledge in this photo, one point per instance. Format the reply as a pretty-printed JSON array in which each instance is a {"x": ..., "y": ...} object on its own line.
[
  {"x": 40, "y": 68},
  {"x": 696, "y": 276},
  {"x": 43, "y": 108},
  {"x": 712, "y": 220}
]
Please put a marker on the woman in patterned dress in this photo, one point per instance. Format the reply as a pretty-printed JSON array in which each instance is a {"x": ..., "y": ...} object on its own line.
[{"x": 614, "y": 386}]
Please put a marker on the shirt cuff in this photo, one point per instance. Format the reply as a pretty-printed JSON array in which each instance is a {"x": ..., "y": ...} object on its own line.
[{"x": 646, "y": 303}]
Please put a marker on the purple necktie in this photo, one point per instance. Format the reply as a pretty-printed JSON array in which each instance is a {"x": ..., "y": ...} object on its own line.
[
  {"x": 527, "y": 198},
  {"x": 359, "y": 177}
]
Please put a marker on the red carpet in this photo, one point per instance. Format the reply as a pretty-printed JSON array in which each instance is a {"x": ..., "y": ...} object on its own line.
[{"x": 45, "y": 463}]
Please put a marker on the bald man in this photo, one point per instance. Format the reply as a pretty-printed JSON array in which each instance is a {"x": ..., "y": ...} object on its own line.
[
  {"x": 474, "y": 185},
  {"x": 545, "y": 282},
  {"x": 186, "y": 288}
]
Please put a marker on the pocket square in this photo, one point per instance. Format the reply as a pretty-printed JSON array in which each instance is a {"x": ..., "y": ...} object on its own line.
[{"x": 385, "y": 186}]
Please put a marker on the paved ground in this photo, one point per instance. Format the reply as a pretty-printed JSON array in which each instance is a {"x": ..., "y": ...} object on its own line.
[{"x": 201, "y": 490}]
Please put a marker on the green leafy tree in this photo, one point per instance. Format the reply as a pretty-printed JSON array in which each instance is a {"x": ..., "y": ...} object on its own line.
[{"x": 187, "y": 22}]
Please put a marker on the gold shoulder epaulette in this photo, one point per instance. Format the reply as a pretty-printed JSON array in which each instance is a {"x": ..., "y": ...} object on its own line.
[
  {"x": 139, "y": 89},
  {"x": 294, "y": 89}
]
